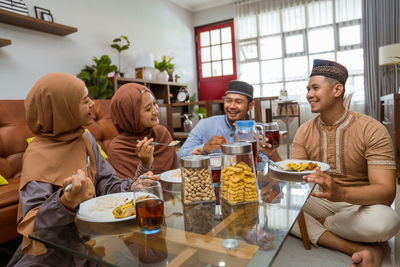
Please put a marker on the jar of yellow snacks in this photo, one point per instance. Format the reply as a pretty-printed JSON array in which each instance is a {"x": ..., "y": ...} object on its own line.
[
  {"x": 238, "y": 179},
  {"x": 197, "y": 186}
]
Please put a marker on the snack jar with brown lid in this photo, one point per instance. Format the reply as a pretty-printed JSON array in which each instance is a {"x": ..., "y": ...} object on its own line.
[
  {"x": 197, "y": 186},
  {"x": 238, "y": 179}
]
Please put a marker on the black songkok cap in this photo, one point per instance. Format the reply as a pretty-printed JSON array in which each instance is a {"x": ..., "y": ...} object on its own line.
[
  {"x": 241, "y": 88},
  {"x": 330, "y": 69}
]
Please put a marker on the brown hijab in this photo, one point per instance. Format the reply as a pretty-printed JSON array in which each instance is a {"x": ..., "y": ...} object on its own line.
[
  {"x": 125, "y": 114},
  {"x": 53, "y": 113}
]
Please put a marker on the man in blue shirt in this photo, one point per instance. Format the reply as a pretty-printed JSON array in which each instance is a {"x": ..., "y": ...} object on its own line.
[{"x": 209, "y": 134}]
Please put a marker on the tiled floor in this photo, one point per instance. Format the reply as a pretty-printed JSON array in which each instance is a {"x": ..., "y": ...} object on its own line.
[{"x": 294, "y": 254}]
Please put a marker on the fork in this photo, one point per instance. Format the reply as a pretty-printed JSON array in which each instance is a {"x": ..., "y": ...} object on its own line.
[
  {"x": 173, "y": 143},
  {"x": 69, "y": 186},
  {"x": 276, "y": 165}
]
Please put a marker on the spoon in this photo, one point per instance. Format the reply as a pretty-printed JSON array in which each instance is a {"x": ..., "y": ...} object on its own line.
[
  {"x": 173, "y": 143},
  {"x": 69, "y": 186}
]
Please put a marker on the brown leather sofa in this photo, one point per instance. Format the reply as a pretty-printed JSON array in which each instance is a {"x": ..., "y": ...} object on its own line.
[{"x": 13, "y": 134}]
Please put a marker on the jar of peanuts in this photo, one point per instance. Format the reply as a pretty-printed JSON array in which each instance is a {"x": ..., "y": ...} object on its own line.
[
  {"x": 197, "y": 186},
  {"x": 238, "y": 179}
]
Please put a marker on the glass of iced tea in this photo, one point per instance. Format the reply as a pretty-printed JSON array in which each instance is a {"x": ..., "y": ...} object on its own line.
[
  {"x": 215, "y": 163},
  {"x": 149, "y": 206},
  {"x": 272, "y": 133}
]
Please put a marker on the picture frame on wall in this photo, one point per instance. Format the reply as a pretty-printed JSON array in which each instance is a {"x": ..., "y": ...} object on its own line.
[
  {"x": 44, "y": 14},
  {"x": 47, "y": 17}
]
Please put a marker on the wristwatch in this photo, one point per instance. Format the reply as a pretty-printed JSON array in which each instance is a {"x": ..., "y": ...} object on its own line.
[{"x": 183, "y": 95}]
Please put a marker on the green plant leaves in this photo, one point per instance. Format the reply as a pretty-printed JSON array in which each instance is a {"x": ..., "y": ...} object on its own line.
[
  {"x": 95, "y": 78},
  {"x": 121, "y": 43},
  {"x": 165, "y": 65}
]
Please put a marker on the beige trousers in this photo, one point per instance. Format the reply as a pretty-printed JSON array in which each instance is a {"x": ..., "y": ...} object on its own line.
[{"x": 374, "y": 223}]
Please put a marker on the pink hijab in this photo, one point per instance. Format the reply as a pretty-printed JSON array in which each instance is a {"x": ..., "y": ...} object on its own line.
[{"x": 125, "y": 114}]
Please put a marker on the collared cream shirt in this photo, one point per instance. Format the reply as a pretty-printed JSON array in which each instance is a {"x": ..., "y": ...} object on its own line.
[{"x": 351, "y": 145}]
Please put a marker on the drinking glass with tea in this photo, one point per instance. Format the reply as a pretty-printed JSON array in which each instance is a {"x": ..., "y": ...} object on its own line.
[
  {"x": 149, "y": 206},
  {"x": 272, "y": 133},
  {"x": 215, "y": 163}
]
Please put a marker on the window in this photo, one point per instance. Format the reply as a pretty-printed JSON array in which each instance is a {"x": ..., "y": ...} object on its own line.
[
  {"x": 216, "y": 52},
  {"x": 277, "y": 47}
]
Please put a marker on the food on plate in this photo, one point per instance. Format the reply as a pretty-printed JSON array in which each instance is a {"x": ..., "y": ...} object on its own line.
[
  {"x": 174, "y": 176},
  {"x": 106, "y": 203},
  {"x": 125, "y": 210},
  {"x": 174, "y": 143},
  {"x": 299, "y": 167}
]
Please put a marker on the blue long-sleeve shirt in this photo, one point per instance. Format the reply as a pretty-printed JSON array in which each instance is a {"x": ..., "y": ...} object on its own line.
[{"x": 207, "y": 128}]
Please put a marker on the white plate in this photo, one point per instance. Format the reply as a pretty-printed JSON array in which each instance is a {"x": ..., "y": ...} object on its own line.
[
  {"x": 172, "y": 176},
  {"x": 323, "y": 166},
  {"x": 88, "y": 213}
]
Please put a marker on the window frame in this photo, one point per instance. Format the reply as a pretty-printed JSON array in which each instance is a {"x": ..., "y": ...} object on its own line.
[{"x": 336, "y": 37}]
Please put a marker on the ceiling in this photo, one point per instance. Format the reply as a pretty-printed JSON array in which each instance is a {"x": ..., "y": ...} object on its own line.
[{"x": 197, "y": 5}]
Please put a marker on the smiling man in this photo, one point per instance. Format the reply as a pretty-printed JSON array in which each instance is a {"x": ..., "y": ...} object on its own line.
[
  {"x": 350, "y": 208},
  {"x": 209, "y": 134}
]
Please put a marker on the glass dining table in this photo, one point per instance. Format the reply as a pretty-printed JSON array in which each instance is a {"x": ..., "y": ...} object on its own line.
[{"x": 207, "y": 234}]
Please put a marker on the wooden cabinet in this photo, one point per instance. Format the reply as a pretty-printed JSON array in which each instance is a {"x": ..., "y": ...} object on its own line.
[
  {"x": 32, "y": 23},
  {"x": 390, "y": 117},
  {"x": 213, "y": 107},
  {"x": 166, "y": 92}
]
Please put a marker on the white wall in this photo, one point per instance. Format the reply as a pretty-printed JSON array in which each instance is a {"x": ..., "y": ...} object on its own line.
[
  {"x": 211, "y": 15},
  {"x": 156, "y": 26}
]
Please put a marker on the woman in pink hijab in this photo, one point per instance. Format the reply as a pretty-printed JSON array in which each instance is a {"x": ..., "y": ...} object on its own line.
[{"x": 134, "y": 112}]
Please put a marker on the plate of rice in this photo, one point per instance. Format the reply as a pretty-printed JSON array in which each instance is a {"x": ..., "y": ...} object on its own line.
[
  {"x": 100, "y": 209},
  {"x": 298, "y": 167}
]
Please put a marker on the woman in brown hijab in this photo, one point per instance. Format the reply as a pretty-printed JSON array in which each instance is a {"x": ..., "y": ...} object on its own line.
[
  {"x": 134, "y": 112},
  {"x": 57, "y": 108}
]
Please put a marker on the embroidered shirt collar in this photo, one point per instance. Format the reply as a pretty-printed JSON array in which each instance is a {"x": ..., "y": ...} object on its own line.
[{"x": 339, "y": 121}]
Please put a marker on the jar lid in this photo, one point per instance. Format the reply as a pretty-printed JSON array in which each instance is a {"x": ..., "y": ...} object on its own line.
[
  {"x": 236, "y": 148},
  {"x": 195, "y": 161},
  {"x": 245, "y": 123}
]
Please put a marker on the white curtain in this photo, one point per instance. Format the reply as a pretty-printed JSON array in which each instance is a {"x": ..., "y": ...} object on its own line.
[{"x": 277, "y": 41}]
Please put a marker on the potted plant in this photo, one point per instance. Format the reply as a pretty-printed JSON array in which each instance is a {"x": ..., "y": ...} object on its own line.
[
  {"x": 166, "y": 66},
  {"x": 170, "y": 71},
  {"x": 120, "y": 44},
  {"x": 177, "y": 76},
  {"x": 95, "y": 78}
]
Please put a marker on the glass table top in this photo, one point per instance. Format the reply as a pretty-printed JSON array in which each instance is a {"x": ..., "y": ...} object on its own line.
[{"x": 250, "y": 234}]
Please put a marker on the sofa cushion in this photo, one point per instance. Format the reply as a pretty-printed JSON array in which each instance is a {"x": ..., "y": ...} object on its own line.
[{"x": 9, "y": 194}]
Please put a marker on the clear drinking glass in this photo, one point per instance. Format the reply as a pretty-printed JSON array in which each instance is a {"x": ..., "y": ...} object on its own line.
[
  {"x": 272, "y": 133},
  {"x": 215, "y": 163},
  {"x": 149, "y": 206}
]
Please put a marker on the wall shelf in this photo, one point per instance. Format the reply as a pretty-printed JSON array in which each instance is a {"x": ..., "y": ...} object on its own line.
[
  {"x": 4, "y": 42},
  {"x": 32, "y": 23}
]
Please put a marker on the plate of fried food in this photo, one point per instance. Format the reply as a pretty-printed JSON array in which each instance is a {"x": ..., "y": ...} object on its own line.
[
  {"x": 108, "y": 208},
  {"x": 298, "y": 167}
]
